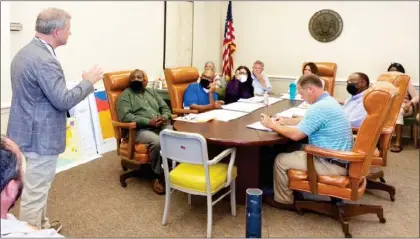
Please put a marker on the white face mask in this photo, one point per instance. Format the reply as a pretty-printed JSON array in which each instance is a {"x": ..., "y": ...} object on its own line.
[{"x": 243, "y": 78}]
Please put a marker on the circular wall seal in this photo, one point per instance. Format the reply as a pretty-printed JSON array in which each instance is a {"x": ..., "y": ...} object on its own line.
[{"x": 325, "y": 25}]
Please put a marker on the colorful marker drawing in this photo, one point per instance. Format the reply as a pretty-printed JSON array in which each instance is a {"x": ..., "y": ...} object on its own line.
[{"x": 104, "y": 114}]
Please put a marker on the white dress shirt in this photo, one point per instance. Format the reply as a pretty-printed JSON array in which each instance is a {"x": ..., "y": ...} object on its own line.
[{"x": 12, "y": 227}]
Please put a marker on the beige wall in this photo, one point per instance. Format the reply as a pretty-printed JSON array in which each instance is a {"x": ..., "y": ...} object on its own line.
[
  {"x": 207, "y": 42},
  {"x": 274, "y": 32},
  {"x": 374, "y": 35},
  {"x": 123, "y": 36},
  {"x": 5, "y": 53},
  {"x": 117, "y": 36}
]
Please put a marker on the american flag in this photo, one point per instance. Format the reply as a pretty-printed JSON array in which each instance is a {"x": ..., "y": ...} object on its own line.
[{"x": 229, "y": 46}]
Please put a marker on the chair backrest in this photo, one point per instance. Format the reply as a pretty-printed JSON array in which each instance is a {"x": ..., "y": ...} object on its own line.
[
  {"x": 177, "y": 80},
  {"x": 183, "y": 147},
  {"x": 378, "y": 101},
  {"x": 400, "y": 81},
  {"x": 327, "y": 72},
  {"x": 115, "y": 83}
]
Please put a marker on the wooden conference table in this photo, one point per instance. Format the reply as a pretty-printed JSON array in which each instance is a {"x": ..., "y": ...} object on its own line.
[{"x": 247, "y": 141}]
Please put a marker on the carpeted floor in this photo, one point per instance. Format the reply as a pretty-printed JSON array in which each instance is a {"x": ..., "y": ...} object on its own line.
[{"x": 90, "y": 202}]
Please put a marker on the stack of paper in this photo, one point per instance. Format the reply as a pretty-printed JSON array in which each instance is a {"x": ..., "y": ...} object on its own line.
[
  {"x": 260, "y": 100},
  {"x": 223, "y": 115},
  {"x": 194, "y": 118},
  {"x": 258, "y": 126},
  {"x": 218, "y": 114},
  {"x": 242, "y": 107},
  {"x": 304, "y": 105},
  {"x": 292, "y": 112}
]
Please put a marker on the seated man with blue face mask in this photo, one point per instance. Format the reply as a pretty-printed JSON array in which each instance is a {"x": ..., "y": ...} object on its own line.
[
  {"x": 356, "y": 85},
  {"x": 202, "y": 96}
]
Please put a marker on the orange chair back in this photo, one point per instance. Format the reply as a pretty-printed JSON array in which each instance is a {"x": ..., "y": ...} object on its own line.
[
  {"x": 378, "y": 101},
  {"x": 327, "y": 72},
  {"x": 178, "y": 80},
  {"x": 115, "y": 83}
]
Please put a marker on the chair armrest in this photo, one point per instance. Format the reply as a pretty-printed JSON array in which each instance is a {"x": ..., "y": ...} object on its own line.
[
  {"x": 328, "y": 153},
  {"x": 184, "y": 111},
  {"x": 131, "y": 125},
  {"x": 232, "y": 152},
  {"x": 385, "y": 130}
]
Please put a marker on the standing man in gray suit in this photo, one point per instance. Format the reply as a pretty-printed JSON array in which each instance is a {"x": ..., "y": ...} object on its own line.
[{"x": 37, "y": 121}]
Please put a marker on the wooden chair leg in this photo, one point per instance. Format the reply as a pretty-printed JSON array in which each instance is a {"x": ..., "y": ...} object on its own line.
[
  {"x": 341, "y": 211},
  {"x": 381, "y": 186},
  {"x": 128, "y": 174},
  {"x": 374, "y": 176},
  {"x": 415, "y": 133}
]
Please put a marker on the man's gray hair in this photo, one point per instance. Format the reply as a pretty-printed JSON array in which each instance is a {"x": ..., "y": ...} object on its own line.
[
  {"x": 258, "y": 62},
  {"x": 50, "y": 19},
  {"x": 212, "y": 63}
]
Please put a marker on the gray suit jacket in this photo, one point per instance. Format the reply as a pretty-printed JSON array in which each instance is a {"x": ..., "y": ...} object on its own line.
[{"x": 37, "y": 121}]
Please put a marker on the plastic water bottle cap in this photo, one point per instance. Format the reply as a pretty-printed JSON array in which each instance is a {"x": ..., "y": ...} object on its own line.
[{"x": 254, "y": 191}]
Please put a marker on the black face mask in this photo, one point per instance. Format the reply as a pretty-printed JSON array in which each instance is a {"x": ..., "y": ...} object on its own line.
[
  {"x": 205, "y": 83},
  {"x": 352, "y": 89},
  {"x": 137, "y": 85}
]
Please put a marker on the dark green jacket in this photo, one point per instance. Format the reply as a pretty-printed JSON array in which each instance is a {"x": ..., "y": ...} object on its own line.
[{"x": 141, "y": 107}]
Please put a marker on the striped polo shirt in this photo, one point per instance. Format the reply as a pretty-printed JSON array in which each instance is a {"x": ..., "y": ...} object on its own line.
[{"x": 327, "y": 125}]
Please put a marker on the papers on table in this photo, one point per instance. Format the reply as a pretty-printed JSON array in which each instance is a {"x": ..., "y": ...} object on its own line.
[
  {"x": 304, "y": 105},
  {"x": 258, "y": 126},
  {"x": 230, "y": 111},
  {"x": 292, "y": 112},
  {"x": 242, "y": 107},
  {"x": 260, "y": 100},
  {"x": 287, "y": 96},
  {"x": 218, "y": 114}
]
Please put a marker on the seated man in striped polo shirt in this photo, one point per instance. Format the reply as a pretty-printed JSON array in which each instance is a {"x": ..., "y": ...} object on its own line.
[{"x": 325, "y": 124}]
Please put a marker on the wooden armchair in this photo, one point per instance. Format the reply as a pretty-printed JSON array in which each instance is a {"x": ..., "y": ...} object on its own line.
[
  {"x": 178, "y": 80},
  {"x": 133, "y": 155},
  {"x": 400, "y": 81},
  {"x": 327, "y": 72},
  {"x": 377, "y": 102}
]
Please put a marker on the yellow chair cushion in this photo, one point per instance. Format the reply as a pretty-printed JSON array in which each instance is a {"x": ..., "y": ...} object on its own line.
[{"x": 192, "y": 176}]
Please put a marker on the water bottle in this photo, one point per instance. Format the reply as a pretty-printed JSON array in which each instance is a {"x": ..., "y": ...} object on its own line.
[
  {"x": 292, "y": 90},
  {"x": 253, "y": 212},
  {"x": 265, "y": 98}
]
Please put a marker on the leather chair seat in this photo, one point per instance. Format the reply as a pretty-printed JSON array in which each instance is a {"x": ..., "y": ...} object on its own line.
[
  {"x": 339, "y": 186},
  {"x": 140, "y": 151}
]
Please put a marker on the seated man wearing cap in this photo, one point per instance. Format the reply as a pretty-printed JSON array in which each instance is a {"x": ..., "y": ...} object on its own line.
[
  {"x": 151, "y": 114},
  {"x": 202, "y": 96}
]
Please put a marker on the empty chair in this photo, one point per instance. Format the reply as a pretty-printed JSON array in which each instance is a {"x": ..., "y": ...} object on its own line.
[{"x": 195, "y": 174}]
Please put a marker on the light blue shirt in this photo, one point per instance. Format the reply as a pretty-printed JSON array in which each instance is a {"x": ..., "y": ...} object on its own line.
[
  {"x": 355, "y": 110},
  {"x": 258, "y": 88},
  {"x": 327, "y": 125}
]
